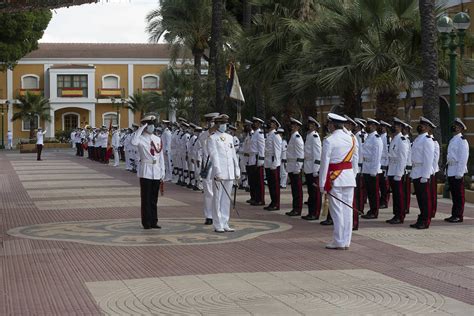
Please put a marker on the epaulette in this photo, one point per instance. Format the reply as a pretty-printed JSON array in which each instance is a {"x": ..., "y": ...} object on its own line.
[
  {"x": 428, "y": 136},
  {"x": 298, "y": 135},
  {"x": 403, "y": 138},
  {"x": 377, "y": 135},
  {"x": 315, "y": 135},
  {"x": 261, "y": 132},
  {"x": 462, "y": 137}
]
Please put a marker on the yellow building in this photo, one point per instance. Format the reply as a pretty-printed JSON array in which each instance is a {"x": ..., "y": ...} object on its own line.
[{"x": 86, "y": 84}]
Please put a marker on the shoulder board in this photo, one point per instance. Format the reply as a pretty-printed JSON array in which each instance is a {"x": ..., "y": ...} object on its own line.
[
  {"x": 377, "y": 135},
  {"x": 298, "y": 135},
  {"x": 428, "y": 136},
  {"x": 261, "y": 132},
  {"x": 403, "y": 138},
  {"x": 211, "y": 133},
  {"x": 315, "y": 135},
  {"x": 462, "y": 137}
]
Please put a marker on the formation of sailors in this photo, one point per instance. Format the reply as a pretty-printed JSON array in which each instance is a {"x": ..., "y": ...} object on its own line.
[{"x": 383, "y": 158}]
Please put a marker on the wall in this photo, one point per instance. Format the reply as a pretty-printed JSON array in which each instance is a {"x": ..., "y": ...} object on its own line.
[{"x": 119, "y": 70}]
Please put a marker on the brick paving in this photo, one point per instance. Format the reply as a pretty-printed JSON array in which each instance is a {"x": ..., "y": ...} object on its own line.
[{"x": 61, "y": 277}]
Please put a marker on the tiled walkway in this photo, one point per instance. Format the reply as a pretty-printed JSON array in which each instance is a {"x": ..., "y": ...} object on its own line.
[{"x": 71, "y": 244}]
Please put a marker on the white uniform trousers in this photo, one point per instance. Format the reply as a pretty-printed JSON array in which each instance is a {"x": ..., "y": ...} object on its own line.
[
  {"x": 197, "y": 175},
  {"x": 341, "y": 215},
  {"x": 168, "y": 167},
  {"x": 221, "y": 203},
  {"x": 283, "y": 176},
  {"x": 244, "y": 177},
  {"x": 128, "y": 163},
  {"x": 208, "y": 194},
  {"x": 116, "y": 157},
  {"x": 10, "y": 144}
]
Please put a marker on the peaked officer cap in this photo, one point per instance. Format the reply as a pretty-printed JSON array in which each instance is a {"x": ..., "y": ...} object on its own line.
[
  {"x": 232, "y": 127},
  {"x": 385, "y": 123},
  {"x": 361, "y": 122},
  {"x": 396, "y": 120},
  {"x": 185, "y": 124},
  {"x": 165, "y": 121},
  {"x": 198, "y": 129},
  {"x": 372, "y": 121},
  {"x": 348, "y": 118},
  {"x": 248, "y": 122},
  {"x": 273, "y": 119},
  {"x": 458, "y": 121},
  {"x": 295, "y": 121},
  {"x": 192, "y": 125},
  {"x": 333, "y": 117},
  {"x": 424, "y": 120},
  {"x": 256, "y": 119},
  {"x": 222, "y": 118},
  {"x": 182, "y": 119},
  {"x": 148, "y": 119},
  {"x": 211, "y": 115},
  {"x": 312, "y": 120},
  {"x": 280, "y": 130},
  {"x": 114, "y": 126}
]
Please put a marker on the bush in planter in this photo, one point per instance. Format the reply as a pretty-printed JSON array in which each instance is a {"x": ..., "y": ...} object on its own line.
[{"x": 63, "y": 136}]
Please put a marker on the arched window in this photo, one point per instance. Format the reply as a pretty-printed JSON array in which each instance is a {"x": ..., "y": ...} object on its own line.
[
  {"x": 70, "y": 121},
  {"x": 25, "y": 124},
  {"x": 110, "y": 82},
  {"x": 109, "y": 116},
  {"x": 150, "y": 82},
  {"x": 30, "y": 82}
]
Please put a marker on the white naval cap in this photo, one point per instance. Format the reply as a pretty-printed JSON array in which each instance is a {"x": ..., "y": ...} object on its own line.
[
  {"x": 182, "y": 119},
  {"x": 273, "y": 119},
  {"x": 372, "y": 121},
  {"x": 198, "y": 129},
  {"x": 248, "y": 122},
  {"x": 360, "y": 121},
  {"x": 192, "y": 125},
  {"x": 333, "y": 117},
  {"x": 280, "y": 130},
  {"x": 114, "y": 126},
  {"x": 312, "y": 120},
  {"x": 295, "y": 121},
  {"x": 458, "y": 121},
  {"x": 396, "y": 120},
  {"x": 148, "y": 119},
  {"x": 348, "y": 118},
  {"x": 256, "y": 119},
  {"x": 222, "y": 118},
  {"x": 424, "y": 120},
  {"x": 211, "y": 115},
  {"x": 134, "y": 125},
  {"x": 185, "y": 124},
  {"x": 232, "y": 127},
  {"x": 385, "y": 123},
  {"x": 165, "y": 121}
]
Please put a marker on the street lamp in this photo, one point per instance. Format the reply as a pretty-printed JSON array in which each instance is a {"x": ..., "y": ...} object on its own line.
[
  {"x": 447, "y": 26},
  {"x": 113, "y": 104}
]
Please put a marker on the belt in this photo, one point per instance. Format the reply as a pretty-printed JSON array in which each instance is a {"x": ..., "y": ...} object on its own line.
[
  {"x": 318, "y": 162},
  {"x": 284, "y": 160},
  {"x": 384, "y": 167},
  {"x": 246, "y": 155},
  {"x": 408, "y": 167},
  {"x": 360, "y": 165},
  {"x": 261, "y": 158},
  {"x": 151, "y": 162},
  {"x": 299, "y": 160}
]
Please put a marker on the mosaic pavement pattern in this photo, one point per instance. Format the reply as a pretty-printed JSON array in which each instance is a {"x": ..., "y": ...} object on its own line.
[
  {"x": 328, "y": 292},
  {"x": 128, "y": 232}
]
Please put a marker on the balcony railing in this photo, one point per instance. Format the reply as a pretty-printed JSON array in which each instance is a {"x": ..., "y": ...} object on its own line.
[
  {"x": 72, "y": 92},
  {"x": 109, "y": 93},
  {"x": 156, "y": 90},
  {"x": 23, "y": 92}
]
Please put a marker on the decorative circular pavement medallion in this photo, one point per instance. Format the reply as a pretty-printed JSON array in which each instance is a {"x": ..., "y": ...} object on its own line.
[{"x": 128, "y": 232}]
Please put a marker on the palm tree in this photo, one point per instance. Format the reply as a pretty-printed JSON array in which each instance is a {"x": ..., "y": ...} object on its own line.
[
  {"x": 184, "y": 23},
  {"x": 215, "y": 55},
  {"x": 32, "y": 106},
  {"x": 140, "y": 102}
]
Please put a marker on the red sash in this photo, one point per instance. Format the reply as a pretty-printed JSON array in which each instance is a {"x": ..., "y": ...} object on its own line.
[{"x": 335, "y": 169}]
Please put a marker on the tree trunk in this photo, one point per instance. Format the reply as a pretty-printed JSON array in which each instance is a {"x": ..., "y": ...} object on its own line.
[
  {"x": 352, "y": 103},
  {"x": 387, "y": 105},
  {"x": 32, "y": 128},
  {"x": 196, "y": 86},
  {"x": 409, "y": 104},
  {"x": 429, "y": 54},
  {"x": 246, "y": 15},
  {"x": 216, "y": 58}
]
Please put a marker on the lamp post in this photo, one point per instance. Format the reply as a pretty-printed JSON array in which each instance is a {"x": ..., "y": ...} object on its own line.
[
  {"x": 447, "y": 26},
  {"x": 3, "y": 115},
  {"x": 113, "y": 104}
]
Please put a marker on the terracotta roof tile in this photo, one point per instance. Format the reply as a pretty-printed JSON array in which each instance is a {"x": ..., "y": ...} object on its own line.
[{"x": 92, "y": 50}]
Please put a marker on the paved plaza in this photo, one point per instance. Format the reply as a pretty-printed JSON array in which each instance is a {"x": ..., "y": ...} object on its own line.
[{"x": 72, "y": 244}]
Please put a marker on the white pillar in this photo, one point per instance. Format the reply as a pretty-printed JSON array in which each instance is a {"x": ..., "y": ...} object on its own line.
[
  {"x": 10, "y": 98},
  {"x": 92, "y": 116},
  {"x": 130, "y": 93},
  {"x": 50, "y": 129}
]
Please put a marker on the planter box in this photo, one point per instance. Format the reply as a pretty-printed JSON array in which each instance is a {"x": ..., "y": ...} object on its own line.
[{"x": 31, "y": 148}]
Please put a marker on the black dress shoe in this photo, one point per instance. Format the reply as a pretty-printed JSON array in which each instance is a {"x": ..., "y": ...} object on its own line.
[
  {"x": 327, "y": 222},
  {"x": 455, "y": 220},
  {"x": 369, "y": 216},
  {"x": 267, "y": 207},
  {"x": 414, "y": 225},
  {"x": 389, "y": 220},
  {"x": 257, "y": 203},
  {"x": 422, "y": 226},
  {"x": 310, "y": 218},
  {"x": 146, "y": 227},
  {"x": 195, "y": 188},
  {"x": 208, "y": 221},
  {"x": 247, "y": 190},
  {"x": 273, "y": 208},
  {"x": 383, "y": 206},
  {"x": 447, "y": 219},
  {"x": 293, "y": 213},
  {"x": 190, "y": 186},
  {"x": 156, "y": 226},
  {"x": 394, "y": 221},
  {"x": 250, "y": 201},
  {"x": 355, "y": 228}
]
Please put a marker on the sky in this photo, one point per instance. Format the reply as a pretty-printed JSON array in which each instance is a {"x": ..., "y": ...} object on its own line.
[{"x": 109, "y": 21}]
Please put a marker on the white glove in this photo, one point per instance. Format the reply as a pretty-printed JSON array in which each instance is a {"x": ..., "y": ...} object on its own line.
[
  {"x": 396, "y": 178},
  {"x": 423, "y": 180},
  {"x": 458, "y": 177}
]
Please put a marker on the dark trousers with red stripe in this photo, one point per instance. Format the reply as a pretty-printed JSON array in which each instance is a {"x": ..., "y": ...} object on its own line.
[
  {"x": 456, "y": 186},
  {"x": 407, "y": 184},
  {"x": 296, "y": 191},
  {"x": 149, "y": 198},
  {"x": 259, "y": 185},
  {"x": 273, "y": 179},
  {"x": 360, "y": 194},
  {"x": 384, "y": 188},
  {"x": 434, "y": 195},
  {"x": 423, "y": 196},
  {"x": 373, "y": 193},
  {"x": 251, "y": 180},
  {"x": 398, "y": 191},
  {"x": 314, "y": 195}
]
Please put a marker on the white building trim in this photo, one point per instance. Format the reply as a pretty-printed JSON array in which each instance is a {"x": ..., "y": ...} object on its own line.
[
  {"x": 69, "y": 113},
  {"x": 111, "y": 75},
  {"x": 53, "y": 90},
  {"x": 23, "y": 129},
  {"x": 102, "y": 61},
  {"x": 130, "y": 93},
  {"x": 30, "y": 75}
]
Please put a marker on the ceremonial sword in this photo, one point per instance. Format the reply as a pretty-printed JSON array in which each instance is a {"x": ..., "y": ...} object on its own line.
[{"x": 228, "y": 195}]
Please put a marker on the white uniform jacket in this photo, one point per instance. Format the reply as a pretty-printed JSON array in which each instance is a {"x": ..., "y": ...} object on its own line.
[
  {"x": 398, "y": 155},
  {"x": 257, "y": 148},
  {"x": 116, "y": 140},
  {"x": 435, "y": 156},
  {"x": 361, "y": 136},
  {"x": 284, "y": 149},
  {"x": 458, "y": 154},
  {"x": 386, "y": 144},
  {"x": 272, "y": 150},
  {"x": 372, "y": 154},
  {"x": 312, "y": 153},
  {"x": 422, "y": 153},
  {"x": 236, "y": 144},
  {"x": 39, "y": 137},
  {"x": 166, "y": 139},
  {"x": 295, "y": 153},
  {"x": 246, "y": 149},
  {"x": 335, "y": 148},
  {"x": 151, "y": 164},
  {"x": 225, "y": 164}
]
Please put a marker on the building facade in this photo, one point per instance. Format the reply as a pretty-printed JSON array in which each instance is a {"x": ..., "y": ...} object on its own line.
[{"x": 86, "y": 84}]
